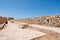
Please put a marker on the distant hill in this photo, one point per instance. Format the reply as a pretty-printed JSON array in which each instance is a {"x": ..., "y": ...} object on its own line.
[{"x": 44, "y": 20}]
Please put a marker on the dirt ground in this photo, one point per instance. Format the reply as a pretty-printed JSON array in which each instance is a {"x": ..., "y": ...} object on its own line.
[{"x": 51, "y": 35}]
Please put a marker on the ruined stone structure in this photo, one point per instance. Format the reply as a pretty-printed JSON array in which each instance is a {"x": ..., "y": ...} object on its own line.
[
  {"x": 4, "y": 20},
  {"x": 45, "y": 20}
]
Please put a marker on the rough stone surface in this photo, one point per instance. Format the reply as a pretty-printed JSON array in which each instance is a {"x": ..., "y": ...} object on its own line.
[
  {"x": 3, "y": 19},
  {"x": 45, "y": 20}
]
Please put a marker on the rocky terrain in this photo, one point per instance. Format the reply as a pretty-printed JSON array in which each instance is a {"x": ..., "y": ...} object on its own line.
[
  {"x": 51, "y": 33},
  {"x": 44, "y": 20},
  {"x": 4, "y": 20},
  {"x": 39, "y": 28}
]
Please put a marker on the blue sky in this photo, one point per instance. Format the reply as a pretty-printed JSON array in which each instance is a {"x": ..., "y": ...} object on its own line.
[{"x": 29, "y": 8}]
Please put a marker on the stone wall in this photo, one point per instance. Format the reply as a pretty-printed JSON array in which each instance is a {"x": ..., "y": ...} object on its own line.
[{"x": 45, "y": 20}]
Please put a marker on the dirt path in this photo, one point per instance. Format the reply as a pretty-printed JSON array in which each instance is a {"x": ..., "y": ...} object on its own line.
[
  {"x": 51, "y": 34},
  {"x": 13, "y": 32}
]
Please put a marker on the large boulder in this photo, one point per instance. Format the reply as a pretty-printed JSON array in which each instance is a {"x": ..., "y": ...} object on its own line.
[{"x": 3, "y": 20}]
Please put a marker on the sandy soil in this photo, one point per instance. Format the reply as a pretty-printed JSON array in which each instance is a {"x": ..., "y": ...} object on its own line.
[
  {"x": 13, "y": 32},
  {"x": 44, "y": 37},
  {"x": 48, "y": 28},
  {"x": 52, "y": 32}
]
